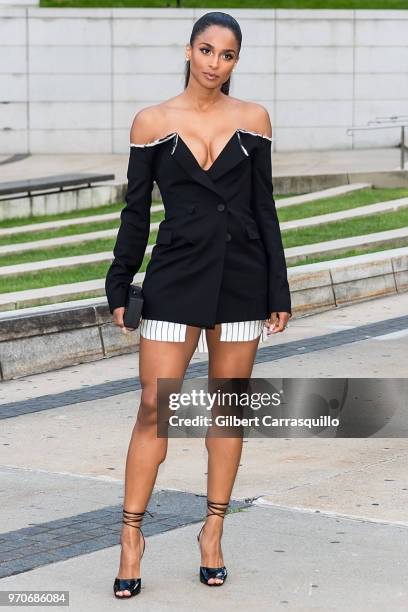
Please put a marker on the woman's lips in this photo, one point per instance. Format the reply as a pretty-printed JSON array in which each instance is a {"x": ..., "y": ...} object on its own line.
[{"x": 210, "y": 77}]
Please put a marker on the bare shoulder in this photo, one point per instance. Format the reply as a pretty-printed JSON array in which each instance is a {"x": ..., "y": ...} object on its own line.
[
  {"x": 258, "y": 117},
  {"x": 145, "y": 124}
]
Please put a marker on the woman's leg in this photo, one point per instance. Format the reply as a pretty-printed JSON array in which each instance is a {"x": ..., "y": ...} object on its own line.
[
  {"x": 226, "y": 360},
  {"x": 146, "y": 451}
]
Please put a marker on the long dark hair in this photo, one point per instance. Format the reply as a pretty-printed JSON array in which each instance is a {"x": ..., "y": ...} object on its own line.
[{"x": 220, "y": 19}]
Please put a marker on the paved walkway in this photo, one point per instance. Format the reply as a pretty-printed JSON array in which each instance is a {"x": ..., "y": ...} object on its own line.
[{"x": 322, "y": 522}]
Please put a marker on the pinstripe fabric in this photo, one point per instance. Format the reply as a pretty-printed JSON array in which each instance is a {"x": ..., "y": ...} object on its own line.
[{"x": 176, "y": 332}]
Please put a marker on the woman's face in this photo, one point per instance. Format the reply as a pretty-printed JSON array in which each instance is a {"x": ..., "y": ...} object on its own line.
[{"x": 213, "y": 56}]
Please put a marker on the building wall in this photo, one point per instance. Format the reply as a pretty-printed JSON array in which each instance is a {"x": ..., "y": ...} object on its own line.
[{"x": 71, "y": 80}]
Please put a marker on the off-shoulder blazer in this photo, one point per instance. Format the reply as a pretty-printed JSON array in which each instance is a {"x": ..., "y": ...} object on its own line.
[{"x": 218, "y": 255}]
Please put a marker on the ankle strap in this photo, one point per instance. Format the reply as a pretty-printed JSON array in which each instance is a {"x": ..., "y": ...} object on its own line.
[
  {"x": 213, "y": 508},
  {"x": 132, "y": 517}
]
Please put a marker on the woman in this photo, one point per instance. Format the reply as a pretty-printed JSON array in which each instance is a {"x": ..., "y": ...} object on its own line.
[{"x": 216, "y": 274}]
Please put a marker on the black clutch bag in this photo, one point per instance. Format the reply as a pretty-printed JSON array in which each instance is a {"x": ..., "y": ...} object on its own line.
[{"x": 133, "y": 308}]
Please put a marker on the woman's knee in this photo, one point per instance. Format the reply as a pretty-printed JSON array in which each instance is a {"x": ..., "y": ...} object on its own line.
[{"x": 147, "y": 415}]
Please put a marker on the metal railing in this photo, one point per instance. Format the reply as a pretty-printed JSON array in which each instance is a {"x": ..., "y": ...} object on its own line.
[{"x": 383, "y": 123}]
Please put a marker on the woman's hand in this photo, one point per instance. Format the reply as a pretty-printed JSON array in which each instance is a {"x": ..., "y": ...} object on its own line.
[
  {"x": 118, "y": 319},
  {"x": 277, "y": 322}
]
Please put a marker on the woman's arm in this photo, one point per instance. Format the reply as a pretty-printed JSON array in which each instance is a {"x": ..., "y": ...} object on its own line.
[
  {"x": 133, "y": 233},
  {"x": 267, "y": 219}
]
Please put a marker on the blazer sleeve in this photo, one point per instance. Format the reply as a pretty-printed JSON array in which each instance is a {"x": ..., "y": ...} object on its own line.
[
  {"x": 134, "y": 229},
  {"x": 268, "y": 223}
]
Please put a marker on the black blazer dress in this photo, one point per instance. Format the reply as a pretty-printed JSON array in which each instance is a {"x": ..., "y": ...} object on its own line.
[{"x": 218, "y": 255}]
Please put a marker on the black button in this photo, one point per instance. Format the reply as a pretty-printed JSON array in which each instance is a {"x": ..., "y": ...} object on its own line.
[
  {"x": 220, "y": 207},
  {"x": 228, "y": 237}
]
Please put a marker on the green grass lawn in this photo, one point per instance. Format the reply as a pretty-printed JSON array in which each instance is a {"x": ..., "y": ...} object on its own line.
[
  {"x": 289, "y": 213},
  {"x": 85, "y": 212},
  {"x": 364, "y": 197},
  {"x": 70, "y": 230},
  {"x": 49, "y": 278},
  {"x": 345, "y": 229},
  {"x": 353, "y": 227},
  {"x": 225, "y": 4},
  {"x": 290, "y": 238},
  {"x": 72, "y": 214},
  {"x": 302, "y": 236},
  {"x": 98, "y": 270},
  {"x": 68, "y": 250},
  {"x": 350, "y": 253}
]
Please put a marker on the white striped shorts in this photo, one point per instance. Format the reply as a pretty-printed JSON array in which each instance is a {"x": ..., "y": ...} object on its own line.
[{"x": 153, "y": 329}]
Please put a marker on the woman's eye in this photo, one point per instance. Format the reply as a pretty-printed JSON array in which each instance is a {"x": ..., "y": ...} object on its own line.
[{"x": 228, "y": 56}]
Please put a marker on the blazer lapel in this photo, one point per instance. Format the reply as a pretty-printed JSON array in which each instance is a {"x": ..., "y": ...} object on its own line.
[{"x": 231, "y": 155}]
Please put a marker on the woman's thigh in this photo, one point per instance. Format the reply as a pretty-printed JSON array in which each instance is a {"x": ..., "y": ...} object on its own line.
[
  {"x": 229, "y": 359},
  {"x": 161, "y": 359}
]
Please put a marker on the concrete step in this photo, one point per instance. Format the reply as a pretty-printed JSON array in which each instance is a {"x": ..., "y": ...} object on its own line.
[
  {"x": 343, "y": 215},
  {"x": 389, "y": 238},
  {"x": 54, "y": 294},
  {"x": 292, "y": 254},
  {"x": 331, "y": 192},
  {"x": 52, "y": 264},
  {"x": 55, "y": 202},
  {"x": 48, "y": 338},
  {"x": 352, "y": 213},
  {"x": 63, "y": 240},
  {"x": 50, "y": 225}
]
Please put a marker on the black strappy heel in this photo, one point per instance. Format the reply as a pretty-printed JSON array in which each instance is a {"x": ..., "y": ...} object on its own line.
[
  {"x": 130, "y": 584},
  {"x": 213, "y": 572}
]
